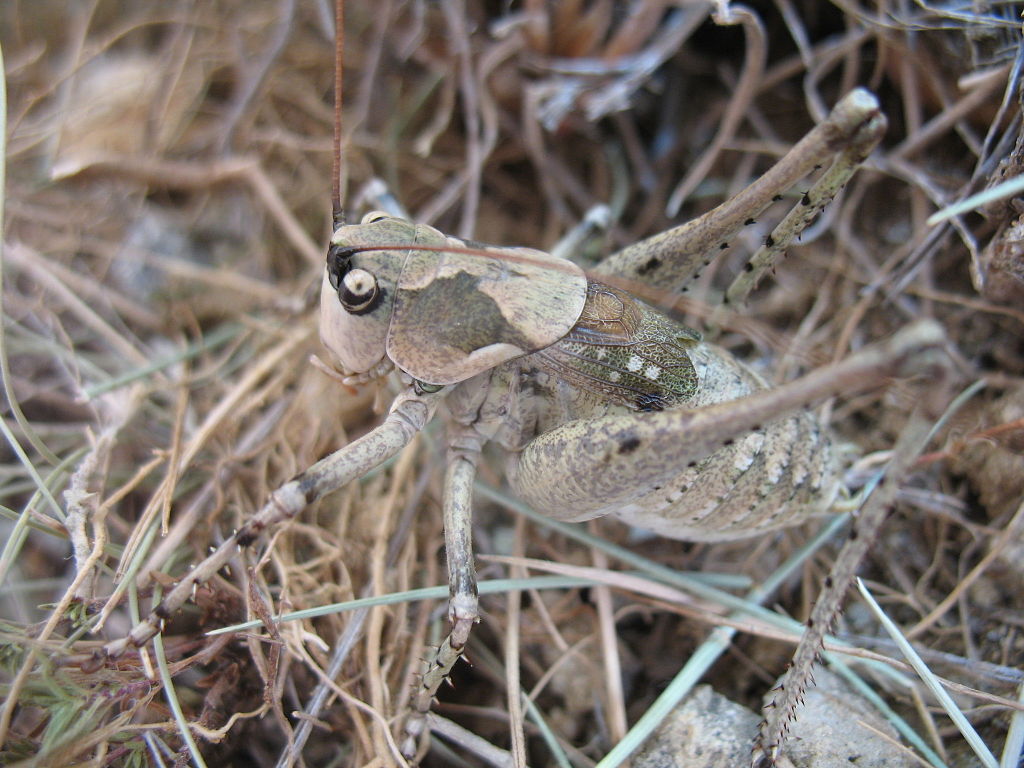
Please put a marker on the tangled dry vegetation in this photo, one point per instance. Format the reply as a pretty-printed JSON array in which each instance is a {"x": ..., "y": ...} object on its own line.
[{"x": 167, "y": 205}]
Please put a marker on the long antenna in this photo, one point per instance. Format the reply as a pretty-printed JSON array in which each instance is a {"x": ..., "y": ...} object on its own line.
[{"x": 339, "y": 47}]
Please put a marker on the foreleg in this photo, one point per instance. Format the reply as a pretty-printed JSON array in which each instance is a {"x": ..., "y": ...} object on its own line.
[{"x": 409, "y": 414}]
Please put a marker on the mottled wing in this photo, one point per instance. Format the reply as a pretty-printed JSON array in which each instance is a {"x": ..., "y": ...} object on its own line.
[
  {"x": 625, "y": 351},
  {"x": 466, "y": 308}
]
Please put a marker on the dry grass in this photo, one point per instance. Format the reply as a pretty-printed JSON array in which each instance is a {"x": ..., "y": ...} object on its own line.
[{"x": 168, "y": 195}]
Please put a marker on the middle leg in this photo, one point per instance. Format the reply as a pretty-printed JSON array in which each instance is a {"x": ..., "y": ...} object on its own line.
[{"x": 464, "y": 448}]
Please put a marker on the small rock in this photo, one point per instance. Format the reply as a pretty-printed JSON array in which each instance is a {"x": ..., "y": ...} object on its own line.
[
  {"x": 705, "y": 731},
  {"x": 709, "y": 731},
  {"x": 836, "y": 728}
]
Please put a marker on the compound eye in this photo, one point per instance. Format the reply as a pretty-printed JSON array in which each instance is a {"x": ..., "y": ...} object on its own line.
[
  {"x": 358, "y": 291},
  {"x": 337, "y": 265},
  {"x": 373, "y": 216}
]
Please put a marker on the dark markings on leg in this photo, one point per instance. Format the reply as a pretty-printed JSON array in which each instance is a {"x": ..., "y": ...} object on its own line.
[
  {"x": 629, "y": 444},
  {"x": 649, "y": 266}
]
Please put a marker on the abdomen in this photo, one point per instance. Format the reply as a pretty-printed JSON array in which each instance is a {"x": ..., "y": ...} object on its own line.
[{"x": 772, "y": 478}]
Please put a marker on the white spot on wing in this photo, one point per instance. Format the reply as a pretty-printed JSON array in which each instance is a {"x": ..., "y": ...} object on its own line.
[
  {"x": 634, "y": 364},
  {"x": 652, "y": 372}
]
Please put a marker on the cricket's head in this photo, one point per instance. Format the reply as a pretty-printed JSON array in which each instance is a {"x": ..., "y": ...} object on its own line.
[
  {"x": 439, "y": 308},
  {"x": 357, "y": 297}
]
